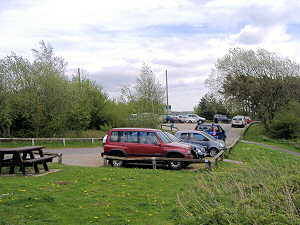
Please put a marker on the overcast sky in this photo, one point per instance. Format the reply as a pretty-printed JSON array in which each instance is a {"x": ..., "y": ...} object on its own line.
[{"x": 111, "y": 39}]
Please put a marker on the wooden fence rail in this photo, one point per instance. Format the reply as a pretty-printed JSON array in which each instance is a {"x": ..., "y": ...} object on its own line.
[
  {"x": 63, "y": 140},
  {"x": 155, "y": 160}
]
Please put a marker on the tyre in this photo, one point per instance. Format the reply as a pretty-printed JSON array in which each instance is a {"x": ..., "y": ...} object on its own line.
[
  {"x": 175, "y": 165},
  {"x": 117, "y": 162},
  {"x": 213, "y": 152}
]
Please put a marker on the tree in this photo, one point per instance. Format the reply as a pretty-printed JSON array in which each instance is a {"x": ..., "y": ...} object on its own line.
[
  {"x": 146, "y": 96},
  {"x": 258, "y": 82},
  {"x": 209, "y": 106}
]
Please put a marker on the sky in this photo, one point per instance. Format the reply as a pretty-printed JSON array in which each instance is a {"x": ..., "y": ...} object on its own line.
[{"x": 111, "y": 39}]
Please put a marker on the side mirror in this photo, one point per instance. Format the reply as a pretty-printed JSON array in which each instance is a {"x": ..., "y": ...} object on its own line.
[{"x": 159, "y": 144}]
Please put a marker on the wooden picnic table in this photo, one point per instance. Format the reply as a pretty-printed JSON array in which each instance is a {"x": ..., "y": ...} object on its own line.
[{"x": 19, "y": 157}]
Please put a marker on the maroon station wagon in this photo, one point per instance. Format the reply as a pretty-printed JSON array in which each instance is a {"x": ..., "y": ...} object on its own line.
[{"x": 143, "y": 142}]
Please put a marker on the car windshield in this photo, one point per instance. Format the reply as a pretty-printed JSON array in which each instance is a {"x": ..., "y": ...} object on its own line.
[
  {"x": 172, "y": 137},
  {"x": 163, "y": 137}
]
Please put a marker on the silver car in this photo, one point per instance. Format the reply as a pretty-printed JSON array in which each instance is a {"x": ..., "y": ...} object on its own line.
[
  {"x": 238, "y": 121},
  {"x": 213, "y": 145}
]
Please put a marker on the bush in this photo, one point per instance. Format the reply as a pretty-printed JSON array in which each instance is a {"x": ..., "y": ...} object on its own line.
[{"x": 286, "y": 123}]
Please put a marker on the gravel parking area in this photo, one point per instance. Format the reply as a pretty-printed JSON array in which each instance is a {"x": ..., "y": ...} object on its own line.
[{"x": 91, "y": 156}]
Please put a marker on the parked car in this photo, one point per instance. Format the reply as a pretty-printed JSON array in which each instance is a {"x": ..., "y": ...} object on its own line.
[
  {"x": 221, "y": 118},
  {"x": 248, "y": 119},
  {"x": 142, "y": 142},
  {"x": 170, "y": 119},
  {"x": 213, "y": 145},
  {"x": 178, "y": 119},
  {"x": 199, "y": 149},
  {"x": 214, "y": 130},
  {"x": 196, "y": 118},
  {"x": 238, "y": 121},
  {"x": 183, "y": 118}
]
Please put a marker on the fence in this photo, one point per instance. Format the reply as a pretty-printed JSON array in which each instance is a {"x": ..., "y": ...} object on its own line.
[
  {"x": 63, "y": 140},
  {"x": 155, "y": 160}
]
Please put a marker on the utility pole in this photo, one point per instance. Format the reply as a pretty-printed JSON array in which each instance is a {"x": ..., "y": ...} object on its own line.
[{"x": 167, "y": 92}]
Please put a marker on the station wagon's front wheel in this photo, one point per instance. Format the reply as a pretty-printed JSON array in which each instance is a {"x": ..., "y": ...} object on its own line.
[{"x": 175, "y": 165}]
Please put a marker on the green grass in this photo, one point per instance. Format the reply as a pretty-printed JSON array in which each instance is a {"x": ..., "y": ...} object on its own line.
[
  {"x": 52, "y": 144},
  {"x": 257, "y": 133},
  {"x": 82, "y": 195},
  {"x": 264, "y": 190}
]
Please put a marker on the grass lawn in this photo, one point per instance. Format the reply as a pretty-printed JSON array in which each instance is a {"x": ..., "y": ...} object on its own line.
[{"x": 263, "y": 190}]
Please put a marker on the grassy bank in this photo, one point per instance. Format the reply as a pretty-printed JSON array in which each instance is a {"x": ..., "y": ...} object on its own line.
[
  {"x": 257, "y": 133},
  {"x": 263, "y": 190}
]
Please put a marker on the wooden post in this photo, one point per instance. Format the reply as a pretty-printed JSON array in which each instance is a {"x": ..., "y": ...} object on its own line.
[
  {"x": 64, "y": 142},
  {"x": 154, "y": 163},
  {"x": 105, "y": 160},
  {"x": 32, "y": 141},
  {"x": 59, "y": 158},
  {"x": 92, "y": 141},
  {"x": 208, "y": 164}
]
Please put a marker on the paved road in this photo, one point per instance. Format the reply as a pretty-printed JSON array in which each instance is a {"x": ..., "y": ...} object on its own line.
[{"x": 91, "y": 156}]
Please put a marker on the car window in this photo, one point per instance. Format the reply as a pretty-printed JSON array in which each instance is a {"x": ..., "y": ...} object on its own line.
[
  {"x": 172, "y": 137},
  {"x": 197, "y": 137},
  {"x": 148, "y": 138},
  {"x": 219, "y": 129},
  {"x": 114, "y": 136},
  {"x": 163, "y": 137},
  {"x": 184, "y": 136},
  {"x": 124, "y": 136}
]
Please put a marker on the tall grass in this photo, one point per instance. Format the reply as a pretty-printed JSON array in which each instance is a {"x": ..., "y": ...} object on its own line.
[{"x": 262, "y": 191}]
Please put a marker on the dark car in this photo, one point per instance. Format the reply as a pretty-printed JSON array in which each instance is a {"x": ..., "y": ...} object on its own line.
[
  {"x": 214, "y": 130},
  {"x": 142, "y": 142},
  {"x": 199, "y": 149},
  {"x": 170, "y": 119},
  {"x": 213, "y": 145},
  {"x": 221, "y": 118}
]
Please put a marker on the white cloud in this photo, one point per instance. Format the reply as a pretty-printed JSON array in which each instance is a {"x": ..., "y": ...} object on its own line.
[{"x": 111, "y": 39}]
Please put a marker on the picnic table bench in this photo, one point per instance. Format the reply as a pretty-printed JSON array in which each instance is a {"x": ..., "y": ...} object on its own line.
[{"x": 18, "y": 157}]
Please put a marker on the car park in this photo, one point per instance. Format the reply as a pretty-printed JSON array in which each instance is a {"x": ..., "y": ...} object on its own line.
[
  {"x": 199, "y": 149},
  {"x": 218, "y": 118},
  {"x": 143, "y": 142},
  {"x": 214, "y": 130},
  {"x": 195, "y": 118},
  {"x": 213, "y": 145},
  {"x": 238, "y": 121}
]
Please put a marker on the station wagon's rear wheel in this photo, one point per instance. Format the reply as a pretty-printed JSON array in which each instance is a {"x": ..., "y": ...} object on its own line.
[
  {"x": 175, "y": 165},
  {"x": 117, "y": 162}
]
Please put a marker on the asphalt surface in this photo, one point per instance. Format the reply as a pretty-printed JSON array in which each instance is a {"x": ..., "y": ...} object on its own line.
[{"x": 91, "y": 157}]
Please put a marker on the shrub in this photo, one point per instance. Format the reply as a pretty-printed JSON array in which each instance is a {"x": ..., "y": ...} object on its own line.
[{"x": 286, "y": 123}]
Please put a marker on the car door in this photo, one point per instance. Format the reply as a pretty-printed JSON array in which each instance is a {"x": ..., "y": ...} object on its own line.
[
  {"x": 148, "y": 144},
  {"x": 196, "y": 138},
  {"x": 128, "y": 141},
  {"x": 220, "y": 133}
]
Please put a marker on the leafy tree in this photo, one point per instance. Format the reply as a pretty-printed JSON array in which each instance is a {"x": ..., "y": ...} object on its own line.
[
  {"x": 209, "y": 106},
  {"x": 259, "y": 82},
  {"x": 146, "y": 96}
]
